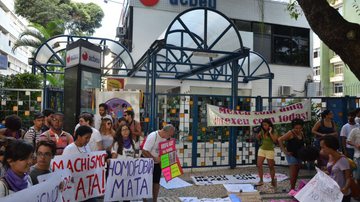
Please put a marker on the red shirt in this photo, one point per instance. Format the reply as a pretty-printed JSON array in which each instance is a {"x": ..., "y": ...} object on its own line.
[{"x": 62, "y": 140}]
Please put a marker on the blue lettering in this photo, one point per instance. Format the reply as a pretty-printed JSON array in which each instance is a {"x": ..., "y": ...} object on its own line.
[
  {"x": 129, "y": 187},
  {"x": 118, "y": 185},
  {"x": 195, "y": 3},
  {"x": 144, "y": 186}
]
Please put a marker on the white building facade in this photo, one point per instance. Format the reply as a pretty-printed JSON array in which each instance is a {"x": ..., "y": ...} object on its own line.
[
  {"x": 285, "y": 43},
  {"x": 10, "y": 28}
]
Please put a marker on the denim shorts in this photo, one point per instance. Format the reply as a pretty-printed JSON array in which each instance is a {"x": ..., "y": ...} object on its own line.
[{"x": 292, "y": 160}]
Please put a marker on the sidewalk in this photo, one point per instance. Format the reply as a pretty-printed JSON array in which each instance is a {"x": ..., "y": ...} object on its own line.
[{"x": 218, "y": 191}]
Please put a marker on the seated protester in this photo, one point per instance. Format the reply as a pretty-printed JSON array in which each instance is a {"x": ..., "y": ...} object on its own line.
[
  {"x": 33, "y": 134},
  {"x": 17, "y": 161},
  {"x": 56, "y": 134},
  {"x": 338, "y": 168},
  {"x": 12, "y": 128},
  {"x": 45, "y": 151},
  {"x": 82, "y": 138},
  {"x": 123, "y": 146}
]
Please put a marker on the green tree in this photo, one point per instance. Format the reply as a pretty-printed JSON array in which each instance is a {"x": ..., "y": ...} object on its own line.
[
  {"x": 23, "y": 80},
  {"x": 78, "y": 18},
  {"x": 34, "y": 36},
  {"x": 340, "y": 35}
]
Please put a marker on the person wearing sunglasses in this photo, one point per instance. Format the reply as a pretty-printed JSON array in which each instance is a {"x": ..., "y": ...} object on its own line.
[
  {"x": 107, "y": 133},
  {"x": 45, "y": 151}
]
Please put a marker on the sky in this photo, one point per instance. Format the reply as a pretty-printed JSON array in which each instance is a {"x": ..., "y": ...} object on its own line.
[{"x": 110, "y": 21}]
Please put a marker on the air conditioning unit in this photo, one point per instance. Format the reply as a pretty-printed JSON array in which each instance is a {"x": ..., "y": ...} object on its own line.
[
  {"x": 284, "y": 90},
  {"x": 120, "y": 31}
]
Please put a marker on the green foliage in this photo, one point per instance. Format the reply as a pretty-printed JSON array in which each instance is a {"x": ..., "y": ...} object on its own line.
[
  {"x": 293, "y": 9},
  {"x": 78, "y": 18},
  {"x": 23, "y": 81}
]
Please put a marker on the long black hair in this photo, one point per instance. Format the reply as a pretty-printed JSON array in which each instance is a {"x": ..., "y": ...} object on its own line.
[
  {"x": 119, "y": 139},
  {"x": 17, "y": 150},
  {"x": 268, "y": 121}
]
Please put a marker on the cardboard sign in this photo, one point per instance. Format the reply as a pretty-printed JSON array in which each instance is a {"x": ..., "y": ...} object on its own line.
[
  {"x": 129, "y": 179},
  {"x": 67, "y": 181},
  {"x": 170, "y": 163},
  {"x": 235, "y": 179},
  {"x": 88, "y": 172},
  {"x": 220, "y": 116},
  {"x": 42, "y": 192},
  {"x": 320, "y": 188}
]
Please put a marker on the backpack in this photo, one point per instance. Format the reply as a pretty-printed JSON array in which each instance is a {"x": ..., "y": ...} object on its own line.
[{"x": 5, "y": 185}]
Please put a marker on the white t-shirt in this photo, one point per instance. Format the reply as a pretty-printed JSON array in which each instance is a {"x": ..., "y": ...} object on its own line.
[
  {"x": 127, "y": 153},
  {"x": 73, "y": 149},
  {"x": 95, "y": 138},
  {"x": 97, "y": 120},
  {"x": 152, "y": 143},
  {"x": 345, "y": 132},
  {"x": 354, "y": 137}
]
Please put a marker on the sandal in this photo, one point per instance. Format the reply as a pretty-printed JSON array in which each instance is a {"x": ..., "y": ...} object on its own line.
[{"x": 260, "y": 183}]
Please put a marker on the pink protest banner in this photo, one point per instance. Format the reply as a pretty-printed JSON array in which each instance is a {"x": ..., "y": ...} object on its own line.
[
  {"x": 88, "y": 172},
  {"x": 170, "y": 163},
  {"x": 221, "y": 116}
]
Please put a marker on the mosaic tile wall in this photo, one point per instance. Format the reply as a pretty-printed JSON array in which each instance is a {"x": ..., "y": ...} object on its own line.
[{"x": 212, "y": 142}]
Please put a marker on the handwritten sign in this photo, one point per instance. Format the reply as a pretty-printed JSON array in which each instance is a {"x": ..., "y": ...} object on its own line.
[
  {"x": 320, "y": 188},
  {"x": 235, "y": 179},
  {"x": 66, "y": 177},
  {"x": 220, "y": 116},
  {"x": 42, "y": 192},
  {"x": 169, "y": 163},
  {"x": 129, "y": 179},
  {"x": 88, "y": 172}
]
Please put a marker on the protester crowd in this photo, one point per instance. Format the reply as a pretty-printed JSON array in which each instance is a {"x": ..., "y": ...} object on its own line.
[{"x": 26, "y": 155}]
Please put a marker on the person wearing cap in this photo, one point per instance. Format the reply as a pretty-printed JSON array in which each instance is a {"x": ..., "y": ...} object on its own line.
[{"x": 34, "y": 132}]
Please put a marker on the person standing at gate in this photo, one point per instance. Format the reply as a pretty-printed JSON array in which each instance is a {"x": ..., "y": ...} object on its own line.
[
  {"x": 47, "y": 121},
  {"x": 151, "y": 150},
  {"x": 326, "y": 126},
  {"x": 56, "y": 134},
  {"x": 295, "y": 140},
  {"x": 135, "y": 128},
  {"x": 103, "y": 113},
  {"x": 347, "y": 149},
  {"x": 33, "y": 134},
  {"x": 12, "y": 128},
  {"x": 267, "y": 139}
]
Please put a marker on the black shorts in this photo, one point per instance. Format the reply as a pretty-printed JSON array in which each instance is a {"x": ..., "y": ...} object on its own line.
[{"x": 157, "y": 173}]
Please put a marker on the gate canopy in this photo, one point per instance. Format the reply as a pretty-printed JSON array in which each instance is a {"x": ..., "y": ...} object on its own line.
[
  {"x": 50, "y": 56},
  {"x": 197, "y": 45}
]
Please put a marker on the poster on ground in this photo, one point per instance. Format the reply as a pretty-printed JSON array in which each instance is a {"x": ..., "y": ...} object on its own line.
[
  {"x": 235, "y": 179},
  {"x": 221, "y": 116},
  {"x": 129, "y": 179},
  {"x": 169, "y": 162},
  {"x": 88, "y": 174}
]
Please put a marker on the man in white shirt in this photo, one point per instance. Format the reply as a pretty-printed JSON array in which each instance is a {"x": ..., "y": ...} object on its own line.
[
  {"x": 347, "y": 149},
  {"x": 103, "y": 113},
  {"x": 151, "y": 150},
  {"x": 354, "y": 140}
]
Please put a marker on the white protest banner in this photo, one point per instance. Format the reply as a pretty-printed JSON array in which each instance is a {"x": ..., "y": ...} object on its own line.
[
  {"x": 67, "y": 190},
  {"x": 220, "y": 116},
  {"x": 129, "y": 179},
  {"x": 88, "y": 172},
  {"x": 42, "y": 192},
  {"x": 321, "y": 188},
  {"x": 235, "y": 179}
]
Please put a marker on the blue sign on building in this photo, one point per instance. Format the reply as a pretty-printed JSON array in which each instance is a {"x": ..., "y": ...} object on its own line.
[
  {"x": 195, "y": 3},
  {"x": 3, "y": 62}
]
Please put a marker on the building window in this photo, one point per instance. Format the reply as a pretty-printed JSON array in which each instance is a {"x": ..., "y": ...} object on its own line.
[
  {"x": 316, "y": 53},
  {"x": 338, "y": 87},
  {"x": 243, "y": 25},
  {"x": 317, "y": 71},
  {"x": 282, "y": 44},
  {"x": 9, "y": 43},
  {"x": 338, "y": 69}
]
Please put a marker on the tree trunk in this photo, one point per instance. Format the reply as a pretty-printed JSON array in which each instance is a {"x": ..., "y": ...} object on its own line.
[{"x": 339, "y": 35}]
